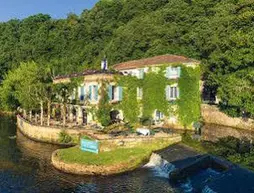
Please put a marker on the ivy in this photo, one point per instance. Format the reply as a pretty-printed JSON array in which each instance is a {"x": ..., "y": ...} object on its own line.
[
  {"x": 104, "y": 106},
  {"x": 154, "y": 97},
  {"x": 129, "y": 105},
  {"x": 190, "y": 99}
]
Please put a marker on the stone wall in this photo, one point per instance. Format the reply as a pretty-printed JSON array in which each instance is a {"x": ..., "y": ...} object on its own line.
[
  {"x": 212, "y": 115},
  {"x": 128, "y": 142},
  {"x": 212, "y": 132},
  {"x": 43, "y": 133},
  {"x": 51, "y": 135}
]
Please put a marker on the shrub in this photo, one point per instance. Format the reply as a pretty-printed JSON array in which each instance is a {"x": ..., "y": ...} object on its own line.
[
  {"x": 146, "y": 121},
  {"x": 64, "y": 137},
  {"x": 116, "y": 128}
]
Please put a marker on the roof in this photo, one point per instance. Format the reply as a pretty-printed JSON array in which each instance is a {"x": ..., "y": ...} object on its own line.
[
  {"x": 85, "y": 73},
  {"x": 156, "y": 60}
]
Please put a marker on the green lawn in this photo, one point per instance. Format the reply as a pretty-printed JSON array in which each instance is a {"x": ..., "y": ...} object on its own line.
[{"x": 134, "y": 156}]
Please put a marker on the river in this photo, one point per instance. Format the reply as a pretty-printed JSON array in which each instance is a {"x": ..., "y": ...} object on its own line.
[{"x": 25, "y": 167}]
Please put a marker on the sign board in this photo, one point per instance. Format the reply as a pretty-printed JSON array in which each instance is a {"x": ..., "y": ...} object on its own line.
[{"x": 89, "y": 145}]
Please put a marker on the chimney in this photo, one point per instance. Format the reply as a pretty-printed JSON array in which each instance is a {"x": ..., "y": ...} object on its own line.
[{"x": 104, "y": 64}]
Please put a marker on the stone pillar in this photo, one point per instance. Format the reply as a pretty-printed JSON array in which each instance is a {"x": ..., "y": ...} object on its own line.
[
  {"x": 71, "y": 113},
  {"x": 80, "y": 115},
  {"x": 30, "y": 116}
]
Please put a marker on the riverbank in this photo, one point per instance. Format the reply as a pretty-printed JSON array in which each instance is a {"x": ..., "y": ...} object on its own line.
[
  {"x": 237, "y": 151},
  {"x": 115, "y": 161},
  {"x": 211, "y": 114}
]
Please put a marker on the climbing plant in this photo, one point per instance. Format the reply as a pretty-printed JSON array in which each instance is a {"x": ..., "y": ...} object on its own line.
[
  {"x": 104, "y": 106},
  {"x": 190, "y": 99},
  {"x": 154, "y": 97},
  {"x": 129, "y": 105},
  {"x": 154, "y": 84}
]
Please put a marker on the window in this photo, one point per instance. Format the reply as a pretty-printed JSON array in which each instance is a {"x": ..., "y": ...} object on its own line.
[
  {"x": 172, "y": 92},
  {"x": 140, "y": 73},
  {"x": 82, "y": 93},
  {"x": 158, "y": 115},
  {"x": 115, "y": 93},
  {"x": 139, "y": 93},
  {"x": 93, "y": 92},
  {"x": 173, "y": 72}
]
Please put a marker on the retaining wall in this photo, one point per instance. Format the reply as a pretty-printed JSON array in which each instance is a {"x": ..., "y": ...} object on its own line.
[
  {"x": 212, "y": 115},
  {"x": 43, "y": 133}
]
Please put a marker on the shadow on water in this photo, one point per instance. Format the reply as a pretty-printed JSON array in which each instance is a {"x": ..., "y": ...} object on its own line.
[{"x": 25, "y": 167}]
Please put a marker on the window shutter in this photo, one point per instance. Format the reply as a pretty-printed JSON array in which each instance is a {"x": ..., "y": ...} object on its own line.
[
  {"x": 120, "y": 90},
  {"x": 96, "y": 92},
  {"x": 178, "y": 92},
  {"x": 110, "y": 92},
  {"x": 82, "y": 93},
  {"x": 179, "y": 71},
  {"x": 90, "y": 92}
]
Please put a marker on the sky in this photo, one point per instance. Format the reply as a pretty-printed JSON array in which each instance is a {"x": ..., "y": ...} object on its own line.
[{"x": 19, "y": 9}]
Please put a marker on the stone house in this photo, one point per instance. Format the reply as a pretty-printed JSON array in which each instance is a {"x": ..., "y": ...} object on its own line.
[{"x": 87, "y": 95}]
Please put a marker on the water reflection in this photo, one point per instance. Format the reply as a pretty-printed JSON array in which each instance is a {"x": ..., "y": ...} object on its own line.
[{"x": 25, "y": 167}]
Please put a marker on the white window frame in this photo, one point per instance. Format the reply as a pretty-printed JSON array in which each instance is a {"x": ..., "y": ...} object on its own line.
[{"x": 172, "y": 92}]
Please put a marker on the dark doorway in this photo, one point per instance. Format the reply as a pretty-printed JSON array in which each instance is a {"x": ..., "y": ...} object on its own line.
[{"x": 114, "y": 116}]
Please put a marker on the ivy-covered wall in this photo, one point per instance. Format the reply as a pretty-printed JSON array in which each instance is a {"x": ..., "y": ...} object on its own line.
[
  {"x": 190, "y": 96},
  {"x": 154, "y": 85},
  {"x": 154, "y": 98},
  {"x": 129, "y": 105}
]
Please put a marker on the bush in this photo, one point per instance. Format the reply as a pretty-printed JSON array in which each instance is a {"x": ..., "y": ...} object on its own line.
[
  {"x": 64, "y": 137},
  {"x": 116, "y": 128},
  {"x": 233, "y": 145},
  {"x": 146, "y": 121}
]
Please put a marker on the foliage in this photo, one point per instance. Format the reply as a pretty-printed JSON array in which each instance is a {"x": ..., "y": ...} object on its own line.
[
  {"x": 64, "y": 137},
  {"x": 104, "y": 106},
  {"x": 26, "y": 86},
  {"x": 86, "y": 137},
  {"x": 217, "y": 32},
  {"x": 237, "y": 93},
  {"x": 190, "y": 99},
  {"x": 154, "y": 96},
  {"x": 146, "y": 121},
  {"x": 129, "y": 105},
  {"x": 239, "y": 151},
  {"x": 116, "y": 128}
]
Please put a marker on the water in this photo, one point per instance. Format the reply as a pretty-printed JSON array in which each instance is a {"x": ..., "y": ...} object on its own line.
[
  {"x": 25, "y": 168},
  {"x": 159, "y": 166}
]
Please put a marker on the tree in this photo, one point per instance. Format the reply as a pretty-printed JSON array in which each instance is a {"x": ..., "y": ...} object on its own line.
[{"x": 64, "y": 92}]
